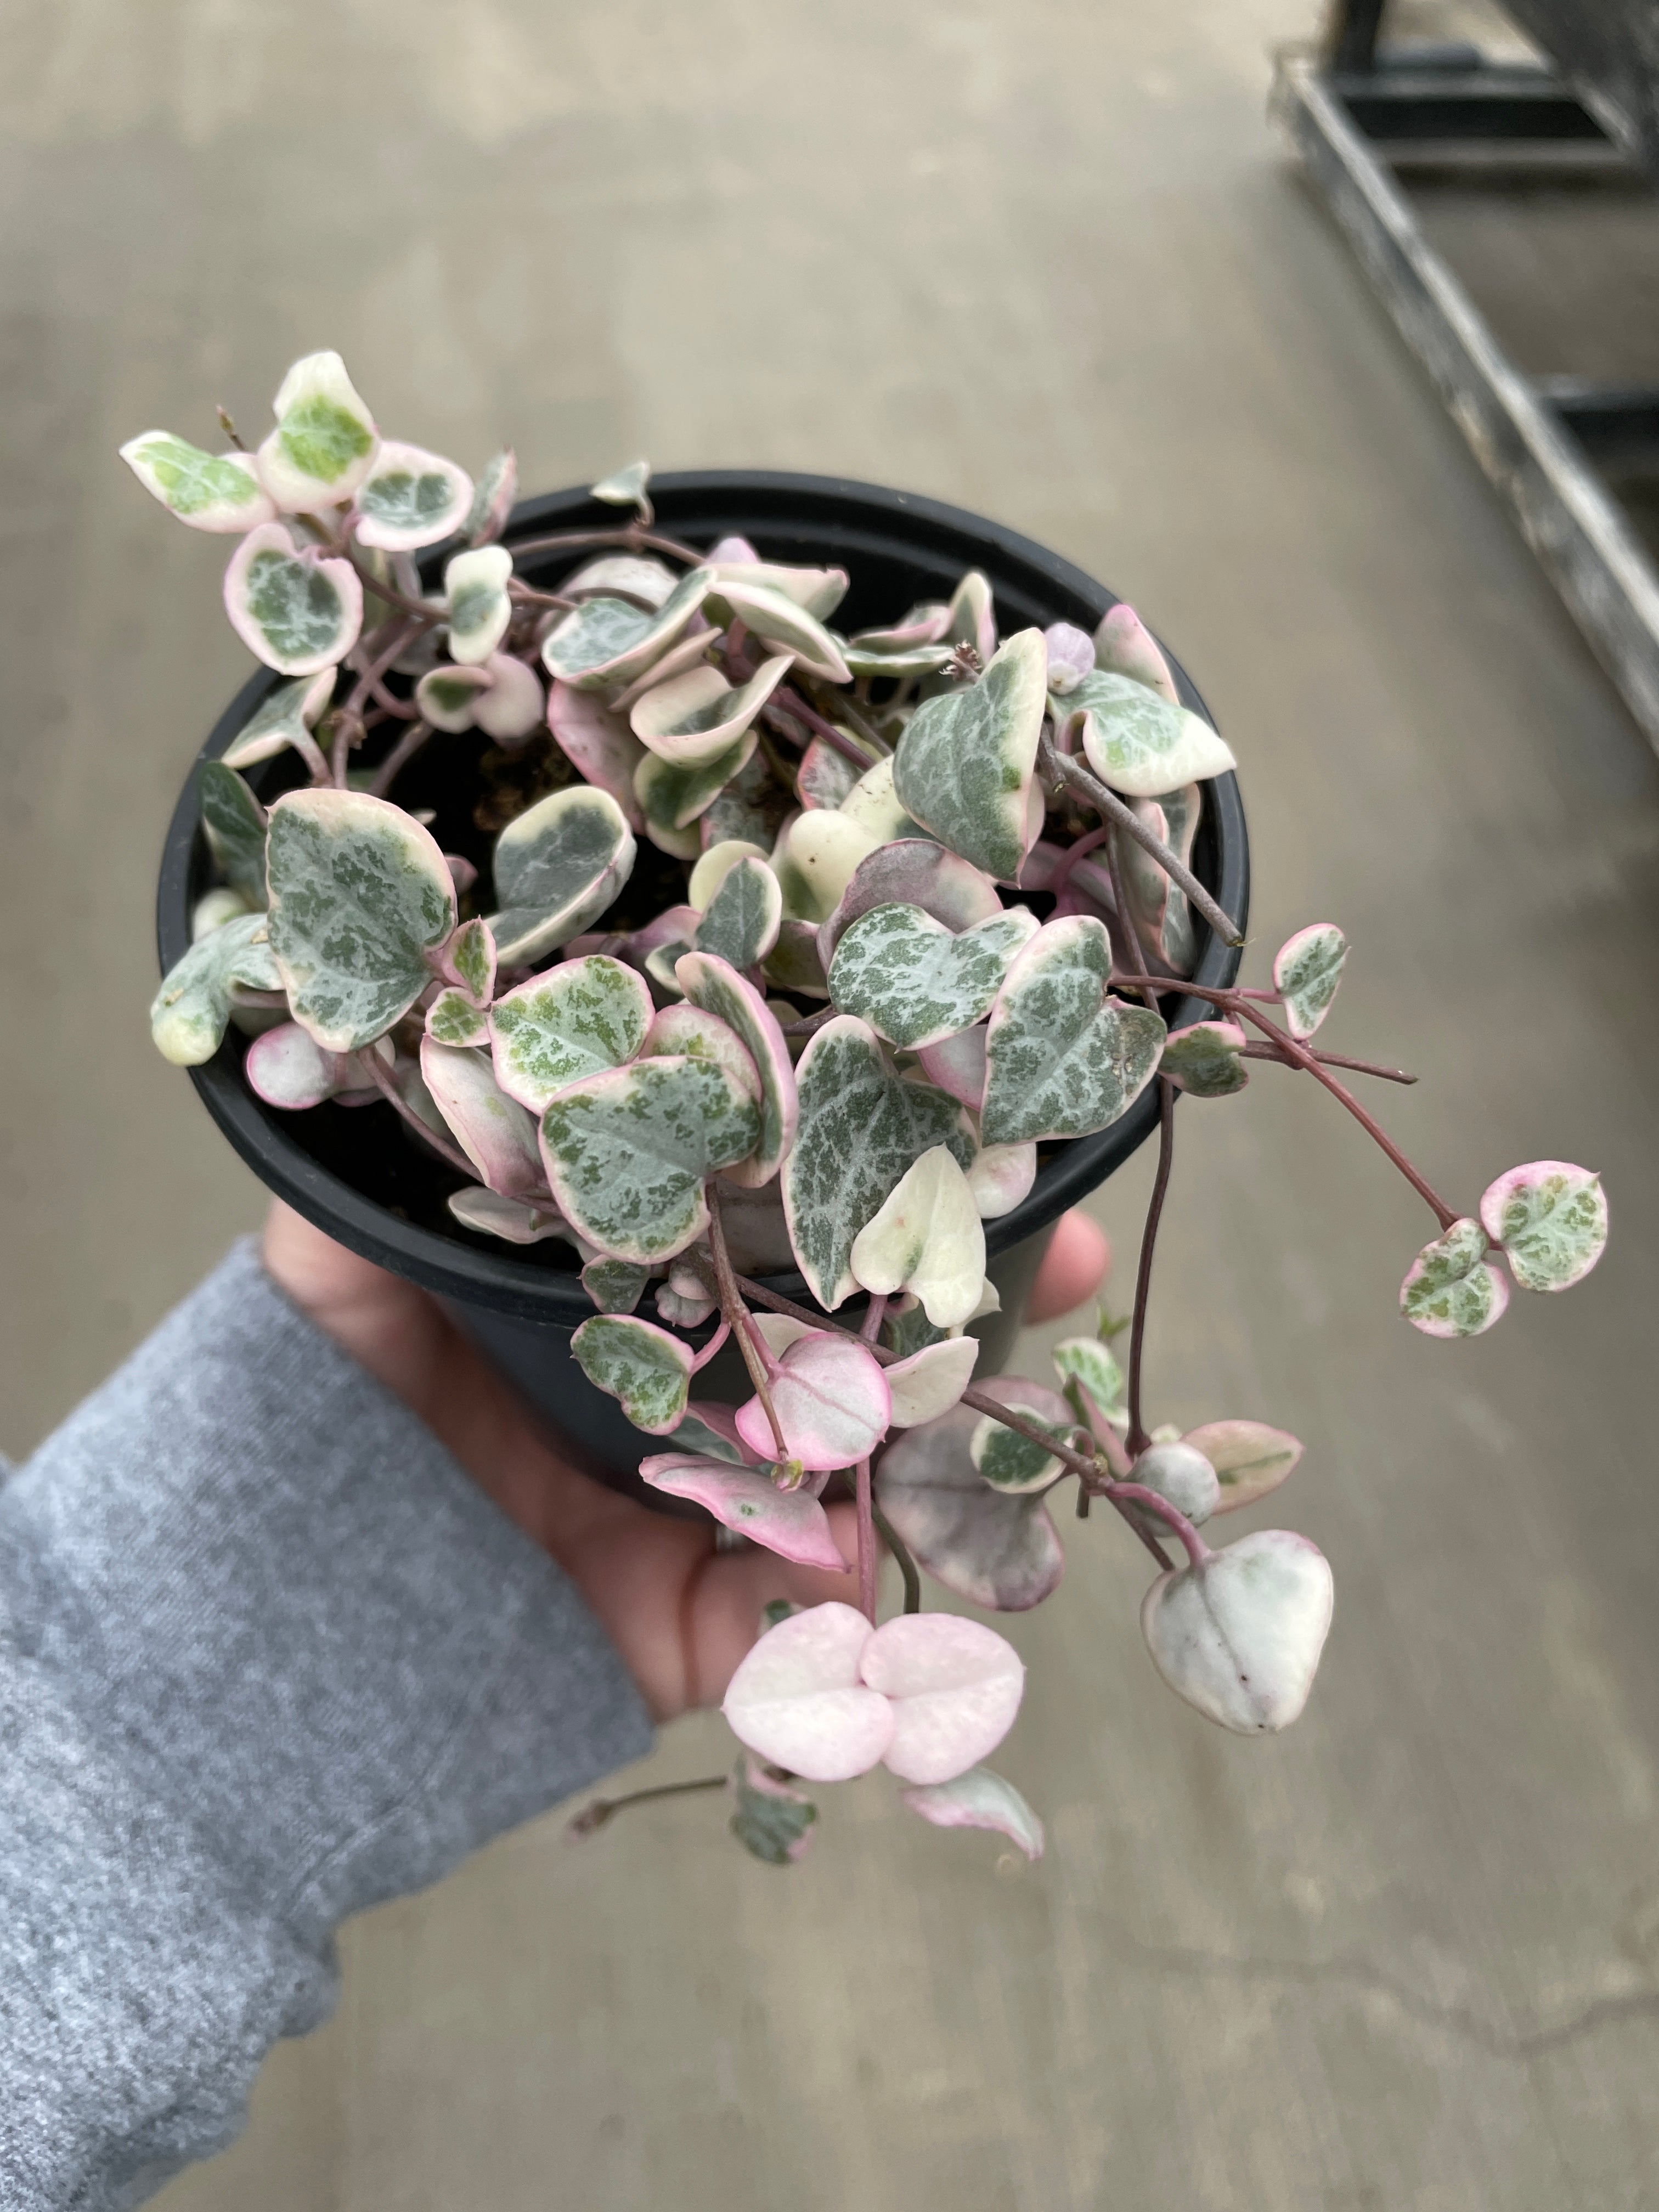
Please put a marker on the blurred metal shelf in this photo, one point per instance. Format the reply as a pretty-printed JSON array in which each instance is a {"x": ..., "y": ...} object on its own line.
[{"x": 1357, "y": 116}]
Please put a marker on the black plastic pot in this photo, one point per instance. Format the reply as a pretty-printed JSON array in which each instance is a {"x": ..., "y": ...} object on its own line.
[{"x": 356, "y": 1176}]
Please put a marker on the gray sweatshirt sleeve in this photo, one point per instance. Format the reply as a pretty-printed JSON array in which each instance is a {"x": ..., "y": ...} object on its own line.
[{"x": 267, "y": 1655}]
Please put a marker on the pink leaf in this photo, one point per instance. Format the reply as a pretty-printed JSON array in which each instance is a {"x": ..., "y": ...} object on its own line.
[
  {"x": 1070, "y": 655},
  {"x": 1249, "y": 1458},
  {"x": 980, "y": 1799},
  {"x": 957, "y": 1064},
  {"x": 955, "y": 1686},
  {"x": 598, "y": 743},
  {"x": 512, "y": 707},
  {"x": 493, "y": 1130},
  {"x": 1551, "y": 1219},
  {"x": 1124, "y": 643},
  {"x": 790, "y": 1522},
  {"x": 289, "y": 1068},
  {"x": 832, "y": 1401},
  {"x": 797, "y": 1699}
]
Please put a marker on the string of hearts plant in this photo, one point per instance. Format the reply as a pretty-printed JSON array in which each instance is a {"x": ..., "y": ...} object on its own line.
[{"x": 936, "y": 886}]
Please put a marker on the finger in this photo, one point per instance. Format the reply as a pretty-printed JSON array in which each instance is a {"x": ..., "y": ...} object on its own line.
[{"x": 1076, "y": 1264}]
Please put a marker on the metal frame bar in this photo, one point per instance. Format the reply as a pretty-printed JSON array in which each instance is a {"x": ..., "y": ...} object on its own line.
[{"x": 1521, "y": 432}]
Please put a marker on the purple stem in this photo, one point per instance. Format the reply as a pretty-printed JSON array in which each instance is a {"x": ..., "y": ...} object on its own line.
[
  {"x": 869, "y": 1557},
  {"x": 1139, "y": 1438}
]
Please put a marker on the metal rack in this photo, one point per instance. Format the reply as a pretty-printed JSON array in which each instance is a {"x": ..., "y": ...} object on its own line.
[{"x": 1359, "y": 112}]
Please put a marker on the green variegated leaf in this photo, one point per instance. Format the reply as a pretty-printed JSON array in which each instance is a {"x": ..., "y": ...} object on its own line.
[
  {"x": 577, "y": 1020},
  {"x": 631, "y": 575},
  {"x": 1009, "y": 1462},
  {"x": 285, "y": 717},
  {"x": 861, "y": 1126},
  {"x": 715, "y": 987},
  {"x": 1307, "y": 969},
  {"x": 1205, "y": 1059},
  {"x": 447, "y": 696},
  {"x": 616, "y": 1286},
  {"x": 1159, "y": 908},
  {"x": 475, "y": 592},
  {"x": 902, "y": 661},
  {"x": 820, "y": 591},
  {"x": 295, "y": 611},
  {"x": 1138, "y": 743},
  {"x": 699, "y": 716},
  {"x": 1085, "y": 1361},
  {"x": 627, "y": 1153},
  {"x": 492, "y": 499},
  {"x": 647, "y": 1371},
  {"x": 1551, "y": 1219},
  {"x": 189, "y": 1013},
  {"x": 608, "y": 643},
  {"x": 557, "y": 866},
  {"x": 684, "y": 1031},
  {"x": 470, "y": 957},
  {"x": 210, "y": 491},
  {"x": 913, "y": 982},
  {"x": 781, "y": 622},
  {"x": 410, "y": 498},
  {"x": 452, "y": 1018},
  {"x": 793, "y": 965},
  {"x": 716, "y": 863},
  {"x": 979, "y": 1799},
  {"x": 964, "y": 766},
  {"x": 235, "y": 825},
  {"x": 1450, "y": 1290},
  {"x": 325, "y": 441},
  {"x": 1063, "y": 1058},
  {"x": 673, "y": 794},
  {"x": 740, "y": 922},
  {"x": 493, "y": 1130},
  {"x": 914, "y": 871},
  {"x": 1124, "y": 645},
  {"x": 359, "y": 897},
  {"x": 773, "y": 1822}
]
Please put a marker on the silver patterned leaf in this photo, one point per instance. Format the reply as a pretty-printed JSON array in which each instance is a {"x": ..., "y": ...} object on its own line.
[
  {"x": 210, "y": 491},
  {"x": 295, "y": 611},
  {"x": 577, "y": 1020},
  {"x": 189, "y": 1013},
  {"x": 477, "y": 602},
  {"x": 914, "y": 980},
  {"x": 715, "y": 987},
  {"x": 1063, "y": 1057},
  {"x": 1138, "y": 743},
  {"x": 964, "y": 765},
  {"x": 284, "y": 717},
  {"x": 1307, "y": 969},
  {"x": 410, "y": 498},
  {"x": 609, "y": 641},
  {"x": 643, "y": 1367},
  {"x": 740, "y": 923},
  {"x": 557, "y": 866},
  {"x": 235, "y": 825},
  {"x": 1551, "y": 1219}
]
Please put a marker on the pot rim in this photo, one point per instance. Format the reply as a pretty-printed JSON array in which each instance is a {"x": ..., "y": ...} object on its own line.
[{"x": 847, "y": 515}]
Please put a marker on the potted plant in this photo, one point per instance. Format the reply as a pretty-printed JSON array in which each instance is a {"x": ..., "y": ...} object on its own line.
[{"x": 709, "y": 949}]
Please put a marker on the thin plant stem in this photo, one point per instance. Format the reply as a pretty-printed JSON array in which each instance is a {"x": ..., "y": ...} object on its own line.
[
  {"x": 1060, "y": 767},
  {"x": 595, "y": 1815},
  {"x": 868, "y": 1561},
  {"x": 907, "y": 1566},
  {"x": 786, "y": 702},
  {"x": 701, "y": 1359},
  {"x": 399, "y": 758},
  {"x": 424, "y": 615},
  {"x": 1330, "y": 1060},
  {"x": 635, "y": 539},
  {"x": 1075, "y": 851},
  {"x": 527, "y": 595},
  {"x": 844, "y": 707},
  {"x": 395, "y": 1097},
  {"x": 875, "y": 1316},
  {"x": 732, "y": 1306},
  {"x": 1154, "y": 1501},
  {"x": 1139, "y": 1438}
]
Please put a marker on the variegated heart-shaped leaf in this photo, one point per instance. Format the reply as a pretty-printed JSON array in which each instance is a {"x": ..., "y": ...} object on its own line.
[
  {"x": 715, "y": 986},
  {"x": 1063, "y": 1057},
  {"x": 625, "y": 487},
  {"x": 831, "y": 1400},
  {"x": 493, "y": 1130},
  {"x": 447, "y": 696},
  {"x": 616, "y": 1286},
  {"x": 926, "y": 1237},
  {"x": 1240, "y": 1636},
  {"x": 1249, "y": 1458},
  {"x": 235, "y": 825},
  {"x": 469, "y": 959},
  {"x": 1071, "y": 656},
  {"x": 671, "y": 794},
  {"x": 599, "y": 744},
  {"x": 914, "y": 980},
  {"x": 284, "y": 717},
  {"x": 1012, "y": 1462},
  {"x": 931, "y": 1380},
  {"x": 1451, "y": 1289},
  {"x": 645, "y": 1370},
  {"x": 1181, "y": 1473},
  {"x": 295, "y": 611},
  {"x": 873, "y": 805},
  {"x": 773, "y": 1822},
  {"x": 1205, "y": 1059},
  {"x": 861, "y": 1126},
  {"x": 210, "y": 491},
  {"x": 476, "y": 598},
  {"x": 1138, "y": 743},
  {"x": 290, "y": 1070},
  {"x": 1001, "y": 1177},
  {"x": 514, "y": 1220},
  {"x": 824, "y": 776},
  {"x": 1092, "y": 1381},
  {"x": 698, "y": 716},
  {"x": 740, "y": 922},
  {"x": 964, "y": 765},
  {"x": 577, "y": 1020},
  {"x": 1551, "y": 1219},
  {"x": 820, "y": 853},
  {"x": 820, "y": 591},
  {"x": 1125, "y": 646},
  {"x": 992, "y": 1548},
  {"x": 609, "y": 641},
  {"x": 797, "y": 1699},
  {"x": 629, "y": 575},
  {"x": 955, "y": 1686},
  {"x": 971, "y": 618},
  {"x": 359, "y": 897},
  {"x": 627, "y": 1153},
  {"x": 790, "y": 1522},
  {"x": 980, "y": 1799},
  {"x": 189, "y": 1013},
  {"x": 716, "y": 863},
  {"x": 493, "y": 496},
  {"x": 325, "y": 441},
  {"x": 513, "y": 704},
  {"x": 684, "y": 1030},
  {"x": 1307, "y": 969},
  {"x": 781, "y": 623},
  {"x": 454, "y": 1018},
  {"x": 557, "y": 866},
  {"x": 410, "y": 498}
]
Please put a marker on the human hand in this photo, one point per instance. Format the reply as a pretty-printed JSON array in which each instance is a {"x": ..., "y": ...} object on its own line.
[{"x": 681, "y": 1613}]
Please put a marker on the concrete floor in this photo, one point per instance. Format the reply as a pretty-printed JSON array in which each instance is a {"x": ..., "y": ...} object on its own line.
[{"x": 1043, "y": 261}]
